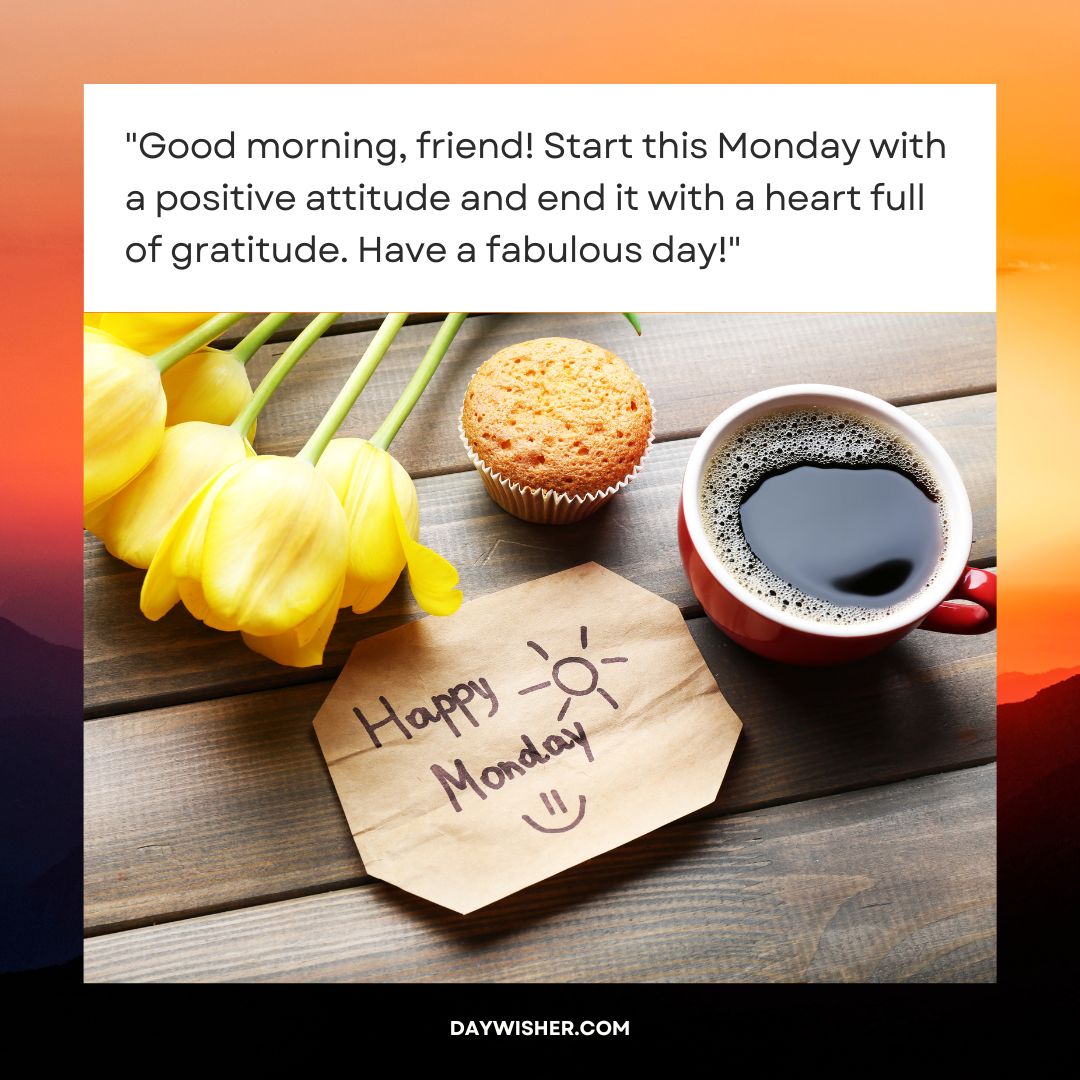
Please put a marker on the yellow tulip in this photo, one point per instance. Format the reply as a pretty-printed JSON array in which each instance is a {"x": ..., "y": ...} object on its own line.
[
  {"x": 261, "y": 548},
  {"x": 123, "y": 415},
  {"x": 124, "y": 406},
  {"x": 147, "y": 331},
  {"x": 134, "y": 521},
  {"x": 210, "y": 385},
  {"x": 383, "y": 513}
]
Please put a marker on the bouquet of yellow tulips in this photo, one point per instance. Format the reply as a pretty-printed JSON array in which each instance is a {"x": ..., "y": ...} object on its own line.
[{"x": 266, "y": 545}]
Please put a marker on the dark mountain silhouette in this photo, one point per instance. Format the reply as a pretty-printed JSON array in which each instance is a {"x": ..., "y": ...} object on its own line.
[
  {"x": 41, "y": 594},
  {"x": 37, "y": 675},
  {"x": 1016, "y": 686},
  {"x": 1039, "y": 831},
  {"x": 40, "y": 800},
  {"x": 1038, "y": 736},
  {"x": 66, "y": 974}
]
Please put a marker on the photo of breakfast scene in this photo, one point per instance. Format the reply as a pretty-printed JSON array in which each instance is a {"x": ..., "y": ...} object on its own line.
[{"x": 615, "y": 647}]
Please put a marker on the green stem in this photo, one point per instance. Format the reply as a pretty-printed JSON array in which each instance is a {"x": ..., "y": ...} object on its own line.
[
  {"x": 633, "y": 320},
  {"x": 285, "y": 363},
  {"x": 200, "y": 336},
  {"x": 258, "y": 337},
  {"x": 345, "y": 400},
  {"x": 418, "y": 383}
]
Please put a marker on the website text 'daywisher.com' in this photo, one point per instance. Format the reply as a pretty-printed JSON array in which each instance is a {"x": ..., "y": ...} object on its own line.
[{"x": 539, "y": 1027}]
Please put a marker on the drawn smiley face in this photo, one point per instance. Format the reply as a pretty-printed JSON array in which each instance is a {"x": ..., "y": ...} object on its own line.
[{"x": 551, "y": 810}]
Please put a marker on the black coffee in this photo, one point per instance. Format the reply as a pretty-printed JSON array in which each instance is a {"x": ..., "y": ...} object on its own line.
[{"x": 823, "y": 513}]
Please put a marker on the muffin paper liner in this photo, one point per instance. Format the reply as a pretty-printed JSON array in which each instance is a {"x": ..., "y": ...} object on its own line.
[{"x": 543, "y": 505}]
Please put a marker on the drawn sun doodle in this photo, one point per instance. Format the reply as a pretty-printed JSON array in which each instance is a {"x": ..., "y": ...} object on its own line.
[{"x": 574, "y": 675}]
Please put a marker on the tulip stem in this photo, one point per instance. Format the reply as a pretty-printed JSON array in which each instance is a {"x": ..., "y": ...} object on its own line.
[
  {"x": 284, "y": 364},
  {"x": 345, "y": 400},
  {"x": 259, "y": 336},
  {"x": 418, "y": 383},
  {"x": 200, "y": 336}
]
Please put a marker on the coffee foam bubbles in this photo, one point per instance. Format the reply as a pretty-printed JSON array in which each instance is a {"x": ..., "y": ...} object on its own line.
[{"x": 781, "y": 440}]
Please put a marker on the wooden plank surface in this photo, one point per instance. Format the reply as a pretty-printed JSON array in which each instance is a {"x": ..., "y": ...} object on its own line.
[
  {"x": 890, "y": 883},
  {"x": 351, "y": 322},
  {"x": 220, "y": 803},
  {"x": 694, "y": 366},
  {"x": 131, "y": 663},
  {"x": 829, "y": 871}
]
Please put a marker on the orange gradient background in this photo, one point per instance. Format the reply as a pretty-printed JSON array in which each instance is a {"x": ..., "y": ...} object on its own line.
[{"x": 1028, "y": 49}]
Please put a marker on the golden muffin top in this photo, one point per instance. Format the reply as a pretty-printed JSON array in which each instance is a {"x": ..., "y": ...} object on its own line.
[{"x": 558, "y": 414}]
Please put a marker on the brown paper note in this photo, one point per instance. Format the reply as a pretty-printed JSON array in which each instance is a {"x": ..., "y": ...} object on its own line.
[{"x": 534, "y": 729}]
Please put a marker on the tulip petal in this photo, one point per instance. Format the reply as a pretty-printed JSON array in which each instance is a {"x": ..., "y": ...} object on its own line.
[
  {"x": 175, "y": 563},
  {"x": 133, "y": 523},
  {"x": 274, "y": 548},
  {"x": 336, "y": 465},
  {"x": 208, "y": 385},
  {"x": 364, "y": 596},
  {"x": 186, "y": 547},
  {"x": 194, "y": 599},
  {"x": 150, "y": 331},
  {"x": 384, "y": 521},
  {"x": 432, "y": 578},
  {"x": 304, "y": 646},
  {"x": 374, "y": 552},
  {"x": 358, "y": 473},
  {"x": 160, "y": 593},
  {"x": 123, "y": 416}
]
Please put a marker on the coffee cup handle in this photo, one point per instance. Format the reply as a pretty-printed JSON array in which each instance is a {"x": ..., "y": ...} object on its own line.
[{"x": 977, "y": 616}]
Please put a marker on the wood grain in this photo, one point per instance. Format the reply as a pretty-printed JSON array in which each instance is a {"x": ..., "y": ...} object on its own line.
[
  {"x": 221, "y": 806},
  {"x": 131, "y": 663},
  {"x": 693, "y": 365},
  {"x": 227, "y": 802},
  {"x": 351, "y": 322},
  {"x": 891, "y": 883}
]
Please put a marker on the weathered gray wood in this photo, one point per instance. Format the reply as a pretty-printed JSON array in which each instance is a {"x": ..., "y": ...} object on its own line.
[
  {"x": 132, "y": 663},
  {"x": 891, "y": 883},
  {"x": 351, "y": 322},
  {"x": 693, "y": 365},
  {"x": 226, "y": 802}
]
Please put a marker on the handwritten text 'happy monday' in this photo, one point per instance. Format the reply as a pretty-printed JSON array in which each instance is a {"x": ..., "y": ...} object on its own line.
[{"x": 451, "y": 709}]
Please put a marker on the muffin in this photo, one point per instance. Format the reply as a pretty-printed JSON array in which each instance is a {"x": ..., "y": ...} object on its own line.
[{"x": 555, "y": 427}]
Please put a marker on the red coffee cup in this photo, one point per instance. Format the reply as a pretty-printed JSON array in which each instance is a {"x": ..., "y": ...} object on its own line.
[{"x": 960, "y": 600}]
